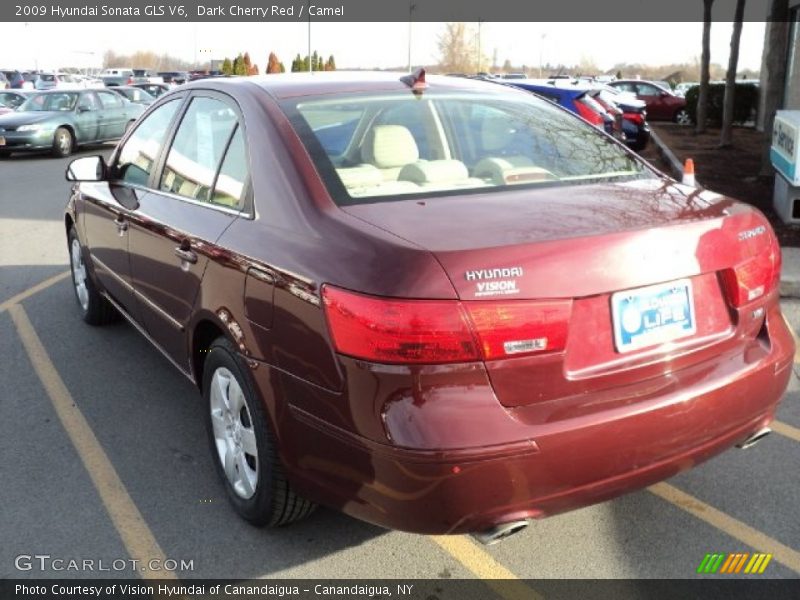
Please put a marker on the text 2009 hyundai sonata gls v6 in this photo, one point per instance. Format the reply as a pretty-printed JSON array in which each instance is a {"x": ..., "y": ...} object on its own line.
[{"x": 441, "y": 306}]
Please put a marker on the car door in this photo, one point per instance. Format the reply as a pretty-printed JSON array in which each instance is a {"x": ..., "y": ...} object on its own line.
[
  {"x": 199, "y": 192},
  {"x": 107, "y": 206},
  {"x": 652, "y": 96},
  {"x": 113, "y": 117},
  {"x": 87, "y": 113}
]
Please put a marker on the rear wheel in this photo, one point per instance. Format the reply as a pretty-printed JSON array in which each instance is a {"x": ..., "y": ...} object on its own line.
[
  {"x": 682, "y": 117},
  {"x": 95, "y": 309},
  {"x": 63, "y": 142},
  {"x": 242, "y": 444}
]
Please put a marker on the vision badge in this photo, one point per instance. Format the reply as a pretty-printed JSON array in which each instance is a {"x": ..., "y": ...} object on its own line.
[{"x": 495, "y": 282}]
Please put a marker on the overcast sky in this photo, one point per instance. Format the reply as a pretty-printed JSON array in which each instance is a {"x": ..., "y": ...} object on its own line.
[{"x": 366, "y": 45}]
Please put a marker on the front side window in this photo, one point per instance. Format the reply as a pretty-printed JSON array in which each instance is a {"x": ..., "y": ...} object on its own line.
[
  {"x": 197, "y": 149},
  {"x": 452, "y": 142},
  {"x": 138, "y": 154}
]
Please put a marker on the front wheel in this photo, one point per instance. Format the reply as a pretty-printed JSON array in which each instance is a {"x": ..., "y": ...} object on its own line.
[
  {"x": 242, "y": 444},
  {"x": 63, "y": 142},
  {"x": 95, "y": 310},
  {"x": 682, "y": 117}
]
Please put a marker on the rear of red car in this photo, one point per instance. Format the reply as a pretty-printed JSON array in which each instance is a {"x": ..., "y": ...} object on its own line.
[{"x": 599, "y": 337}]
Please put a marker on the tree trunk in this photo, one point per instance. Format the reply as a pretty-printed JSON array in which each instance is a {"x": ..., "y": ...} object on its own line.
[
  {"x": 705, "y": 61},
  {"x": 775, "y": 48},
  {"x": 726, "y": 136}
]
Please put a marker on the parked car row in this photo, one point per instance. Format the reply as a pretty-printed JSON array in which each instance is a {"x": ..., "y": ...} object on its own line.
[
  {"x": 618, "y": 114},
  {"x": 61, "y": 120}
]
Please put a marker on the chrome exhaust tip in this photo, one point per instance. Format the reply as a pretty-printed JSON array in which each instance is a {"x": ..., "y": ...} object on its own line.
[
  {"x": 754, "y": 439},
  {"x": 498, "y": 533}
]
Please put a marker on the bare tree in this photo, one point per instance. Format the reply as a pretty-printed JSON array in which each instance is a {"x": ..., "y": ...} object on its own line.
[
  {"x": 705, "y": 61},
  {"x": 457, "y": 49},
  {"x": 726, "y": 135},
  {"x": 775, "y": 48}
]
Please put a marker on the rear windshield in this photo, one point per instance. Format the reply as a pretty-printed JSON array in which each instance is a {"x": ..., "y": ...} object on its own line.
[{"x": 378, "y": 147}]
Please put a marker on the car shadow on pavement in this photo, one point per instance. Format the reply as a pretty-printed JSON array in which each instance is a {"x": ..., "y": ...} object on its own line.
[{"x": 149, "y": 420}]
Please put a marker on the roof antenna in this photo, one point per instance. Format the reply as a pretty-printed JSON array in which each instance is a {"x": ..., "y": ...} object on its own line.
[{"x": 416, "y": 81}]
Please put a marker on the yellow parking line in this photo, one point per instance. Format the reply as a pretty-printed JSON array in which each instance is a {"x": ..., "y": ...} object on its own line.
[
  {"x": 786, "y": 430},
  {"x": 4, "y": 306},
  {"x": 727, "y": 524},
  {"x": 136, "y": 535},
  {"x": 481, "y": 564}
]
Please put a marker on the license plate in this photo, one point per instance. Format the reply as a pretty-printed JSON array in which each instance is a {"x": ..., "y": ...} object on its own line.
[{"x": 653, "y": 315}]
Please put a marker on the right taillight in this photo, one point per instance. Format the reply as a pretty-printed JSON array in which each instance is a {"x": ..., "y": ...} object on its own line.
[
  {"x": 588, "y": 113},
  {"x": 391, "y": 330},
  {"x": 755, "y": 277}
]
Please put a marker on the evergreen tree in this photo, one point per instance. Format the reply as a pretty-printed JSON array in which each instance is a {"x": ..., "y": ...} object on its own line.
[
  {"x": 331, "y": 64},
  {"x": 248, "y": 64},
  {"x": 227, "y": 66},
  {"x": 283, "y": 69},
  {"x": 297, "y": 64}
]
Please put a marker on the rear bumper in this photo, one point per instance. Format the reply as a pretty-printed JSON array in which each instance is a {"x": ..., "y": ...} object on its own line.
[{"x": 553, "y": 467}]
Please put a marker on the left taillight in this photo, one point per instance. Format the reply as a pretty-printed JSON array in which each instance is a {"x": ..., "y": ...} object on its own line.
[
  {"x": 755, "y": 277},
  {"x": 391, "y": 330}
]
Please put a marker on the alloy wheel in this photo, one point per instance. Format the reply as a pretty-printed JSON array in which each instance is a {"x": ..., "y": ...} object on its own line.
[
  {"x": 234, "y": 435},
  {"x": 79, "y": 274}
]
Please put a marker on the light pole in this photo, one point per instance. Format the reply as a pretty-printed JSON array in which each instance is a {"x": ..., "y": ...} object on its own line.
[
  {"x": 479, "y": 46},
  {"x": 541, "y": 49},
  {"x": 308, "y": 11},
  {"x": 411, "y": 7}
]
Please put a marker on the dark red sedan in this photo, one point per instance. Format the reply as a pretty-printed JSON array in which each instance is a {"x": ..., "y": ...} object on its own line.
[
  {"x": 441, "y": 306},
  {"x": 662, "y": 104}
]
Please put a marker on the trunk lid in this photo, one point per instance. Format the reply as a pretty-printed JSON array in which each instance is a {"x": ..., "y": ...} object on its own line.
[{"x": 584, "y": 244}]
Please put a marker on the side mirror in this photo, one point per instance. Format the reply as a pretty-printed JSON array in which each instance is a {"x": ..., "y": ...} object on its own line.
[
  {"x": 88, "y": 168},
  {"x": 664, "y": 94}
]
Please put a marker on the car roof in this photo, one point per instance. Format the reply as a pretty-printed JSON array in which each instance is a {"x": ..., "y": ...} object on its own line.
[{"x": 289, "y": 85}]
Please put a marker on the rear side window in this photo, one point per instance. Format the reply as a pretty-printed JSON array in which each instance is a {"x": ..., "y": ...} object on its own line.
[
  {"x": 138, "y": 154},
  {"x": 110, "y": 99},
  {"x": 197, "y": 149},
  {"x": 233, "y": 175}
]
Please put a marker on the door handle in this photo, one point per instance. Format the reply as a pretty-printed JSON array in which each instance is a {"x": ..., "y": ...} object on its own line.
[
  {"x": 122, "y": 224},
  {"x": 185, "y": 254}
]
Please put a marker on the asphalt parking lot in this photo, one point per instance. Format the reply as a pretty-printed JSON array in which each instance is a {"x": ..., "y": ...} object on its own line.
[{"x": 104, "y": 456}]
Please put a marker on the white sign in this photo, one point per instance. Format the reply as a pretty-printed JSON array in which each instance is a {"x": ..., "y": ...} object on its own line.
[{"x": 784, "y": 152}]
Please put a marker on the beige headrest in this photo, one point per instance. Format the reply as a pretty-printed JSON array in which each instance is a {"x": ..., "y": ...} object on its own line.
[
  {"x": 389, "y": 146},
  {"x": 434, "y": 171}
]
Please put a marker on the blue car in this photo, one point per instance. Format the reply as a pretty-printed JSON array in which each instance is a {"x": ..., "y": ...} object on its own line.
[{"x": 604, "y": 107}]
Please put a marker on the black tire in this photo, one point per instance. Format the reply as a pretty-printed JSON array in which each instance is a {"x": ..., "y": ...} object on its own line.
[
  {"x": 63, "y": 142},
  {"x": 273, "y": 502},
  {"x": 96, "y": 310},
  {"x": 5, "y": 153}
]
